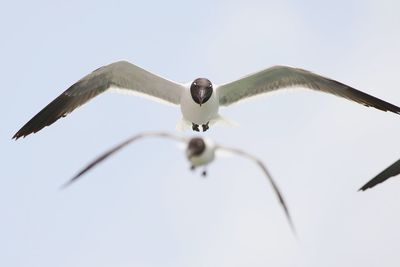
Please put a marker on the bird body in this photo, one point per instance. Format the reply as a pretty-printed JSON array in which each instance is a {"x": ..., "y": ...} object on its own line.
[
  {"x": 200, "y": 151},
  {"x": 194, "y": 113}
]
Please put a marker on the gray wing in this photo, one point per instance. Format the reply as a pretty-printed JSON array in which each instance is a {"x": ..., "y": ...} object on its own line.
[
  {"x": 122, "y": 74},
  {"x": 118, "y": 147},
  {"x": 390, "y": 171},
  {"x": 279, "y": 77},
  {"x": 269, "y": 177}
]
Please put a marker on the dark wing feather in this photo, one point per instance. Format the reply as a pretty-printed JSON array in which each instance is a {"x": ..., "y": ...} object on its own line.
[
  {"x": 390, "y": 171},
  {"x": 269, "y": 177},
  {"x": 279, "y": 77},
  {"x": 58, "y": 108},
  {"x": 122, "y": 74},
  {"x": 117, "y": 148}
]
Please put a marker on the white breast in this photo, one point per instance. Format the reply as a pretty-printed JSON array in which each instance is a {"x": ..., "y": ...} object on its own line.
[
  {"x": 197, "y": 114},
  {"x": 206, "y": 157}
]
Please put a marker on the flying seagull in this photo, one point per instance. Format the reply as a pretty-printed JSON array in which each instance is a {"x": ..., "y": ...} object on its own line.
[
  {"x": 199, "y": 100},
  {"x": 390, "y": 171},
  {"x": 199, "y": 152}
]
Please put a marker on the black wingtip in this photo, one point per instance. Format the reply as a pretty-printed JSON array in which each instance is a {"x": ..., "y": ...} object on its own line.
[
  {"x": 65, "y": 185},
  {"x": 370, "y": 184},
  {"x": 362, "y": 189},
  {"x": 18, "y": 135},
  {"x": 27, "y": 129},
  {"x": 290, "y": 221},
  {"x": 70, "y": 181}
]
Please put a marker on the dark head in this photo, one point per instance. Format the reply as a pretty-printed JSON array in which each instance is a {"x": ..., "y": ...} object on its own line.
[
  {"x": 195, "y": 147},
  {"x": 201, "y": 90}
]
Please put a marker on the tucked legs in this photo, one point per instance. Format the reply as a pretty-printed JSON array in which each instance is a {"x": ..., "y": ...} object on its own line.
[
  {"x": 195, "y": 127},
  {"x": 205, "y": 126}
]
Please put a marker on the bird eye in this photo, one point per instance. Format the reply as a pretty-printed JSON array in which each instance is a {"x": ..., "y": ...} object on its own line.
[{"x": 194, "y": 83}]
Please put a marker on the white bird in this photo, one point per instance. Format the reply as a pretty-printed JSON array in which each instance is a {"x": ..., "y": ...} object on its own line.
[
  {"x": 199, "y": 152},
  {"x": 199, "y": 100},
  {"x": 390, "y": 171}
]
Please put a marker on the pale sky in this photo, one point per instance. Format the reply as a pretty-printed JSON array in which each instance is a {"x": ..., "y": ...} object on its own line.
[{"x": 144, "y": 207}]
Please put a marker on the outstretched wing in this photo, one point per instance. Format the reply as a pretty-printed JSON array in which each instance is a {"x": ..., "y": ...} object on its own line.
[
  {"x": 269, "y": 177},
  {"x": 121, "y": 75},
  {"x": 390, "y": 171},
  {"x": 118, "y": 147},
  {"x": 279, "y": 77}
]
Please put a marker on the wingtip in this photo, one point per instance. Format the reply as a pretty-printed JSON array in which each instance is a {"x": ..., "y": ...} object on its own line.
[
  {"x": 67, "y": 183},
  {"x": 293, "y": 229},
  {"x": 64, "y": 186},
  {"x": 365, "y": 187},
  {"x": 16, "y": 136},
  {"x": 21, "y": 133}
]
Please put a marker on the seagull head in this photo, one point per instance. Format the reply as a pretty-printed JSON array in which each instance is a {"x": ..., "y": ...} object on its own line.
[
  {"x": 201, "y": 90},
  {"x": 195, "y": 147}
]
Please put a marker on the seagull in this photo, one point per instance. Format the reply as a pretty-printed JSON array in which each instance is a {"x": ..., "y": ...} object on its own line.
[
  {"x": 199, "y": 100},
  {"x": 199, "y": 151},
  {"x": 390, "y": 171}
]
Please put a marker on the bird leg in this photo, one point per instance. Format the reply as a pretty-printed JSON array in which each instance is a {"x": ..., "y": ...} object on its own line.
[
  {"x": 192, "y": 167},
  {"x": 205, "y": 126},
  {"x": 204, "y": 173},
  {"x": 195, "y": 127}
]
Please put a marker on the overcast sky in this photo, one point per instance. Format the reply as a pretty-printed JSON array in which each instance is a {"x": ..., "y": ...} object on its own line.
[{"x": 144, "y": 207}]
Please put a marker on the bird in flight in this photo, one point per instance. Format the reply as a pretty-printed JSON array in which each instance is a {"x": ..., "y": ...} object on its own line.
[
  {"x": 199, "y": 100},
  {"x": 390, "y": 171},
  {"x": 199, "y": 151}
]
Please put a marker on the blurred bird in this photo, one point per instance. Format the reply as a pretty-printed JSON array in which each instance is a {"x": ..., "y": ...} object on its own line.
[
  {"x": 199, "y": 152},
  {"x": 390, "y": 171},
  {"x": 199, "y": 100}
]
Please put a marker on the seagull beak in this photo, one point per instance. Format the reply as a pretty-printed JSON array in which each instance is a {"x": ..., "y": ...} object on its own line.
[{"x": 202, "y": 95}]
